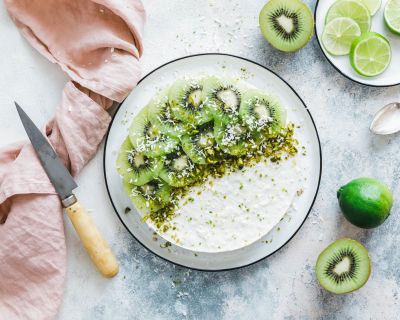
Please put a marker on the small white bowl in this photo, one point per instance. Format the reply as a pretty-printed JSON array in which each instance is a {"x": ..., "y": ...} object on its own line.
[{"x": 390, "y": 77}]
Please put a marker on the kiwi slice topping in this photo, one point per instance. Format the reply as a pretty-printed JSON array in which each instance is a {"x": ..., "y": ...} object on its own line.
[
  {"x": 135, "y": 167},
  {"x": 234, "y": 138},
  {"x": 262, "y": 112},
  {"x": 178, "y": 169},
  {"x": 149, "y": 138},
  {"x": 201, "y": 147},
  {"x": 161, "y": 116},
  {"x": 188, "y": 102},
  {"x": 223, "y": 97},
  {"x": 287, "y": 24},
  {"x": 344, "y": 266},
  {"x": 149, "y": 197}
]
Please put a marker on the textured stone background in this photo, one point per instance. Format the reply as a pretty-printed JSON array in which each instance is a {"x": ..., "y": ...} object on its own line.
[{"x": 284, "y": 285}]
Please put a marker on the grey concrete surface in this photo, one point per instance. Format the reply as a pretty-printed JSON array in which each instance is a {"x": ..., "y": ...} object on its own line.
[{"x": 280, "y": 287}]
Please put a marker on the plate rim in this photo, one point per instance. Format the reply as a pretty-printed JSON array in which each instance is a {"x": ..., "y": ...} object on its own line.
[
  {"x": 311, "y": 205},
  {"x": 337, "y": 68}
]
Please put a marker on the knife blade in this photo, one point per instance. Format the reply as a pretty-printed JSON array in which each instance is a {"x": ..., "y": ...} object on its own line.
[
  {"x": 91, "y": 238},
  {"x": 51, "y": 163}
]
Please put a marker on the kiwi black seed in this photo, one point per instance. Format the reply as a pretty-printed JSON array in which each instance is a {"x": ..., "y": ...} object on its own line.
[
  {"x": 287, "y": 24},
  {"x": 223, "y": 97},
  {"x": 344, "y": 266},
  {"x": 234, "y": 138},
  {"x": 149, "y": 138},
  {"x": 178, "y": 170},
  {"x": 262, "y": 112},
  {"x": 135, "y": 167},
  {"x": 201, "y": 146},
  {"x": 188, "y": 102},
  {"x": 160, "y": 115}
]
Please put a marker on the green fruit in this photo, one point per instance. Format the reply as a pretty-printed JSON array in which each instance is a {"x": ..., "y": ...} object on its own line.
[
  {"x": 223, "y": 98},
  {"x": 201, "y": 147},
  {"x": 148, "y": 138},
  {"x": 339, "y": 34},
  {"x": 370, "y": 54},
  {"x": 178, "y": 169},
  {"x": 149, "y": 197},
  {"x": 188, "y": 102},
  {"x": 392, "y": 16},
  {"x": 372, "y": 5},
  {"x": 161, "y": 116},
  {"x": 287, "y": 24},
  {"x": 134, "y": 166},
  {"x": 234, "y": 138},
  {"x": 262, "y": 112},
  {"x": 365, "y": 202},
  {"x": 344, "y": 266},
  {"x": 353, "y": 9}
]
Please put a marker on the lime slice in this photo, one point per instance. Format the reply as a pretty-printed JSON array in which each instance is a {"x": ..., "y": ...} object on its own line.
[
  {"x": 353, "y": 9},
  {"x": 370, "y": 54},
  {"x": 372, "y": 5},
  {"x": 339, "y": 34},
  {"x": 392, "y": 16}
]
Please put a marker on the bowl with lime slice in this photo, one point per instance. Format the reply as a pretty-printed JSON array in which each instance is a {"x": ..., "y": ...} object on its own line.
[{"x": 361, "y": 39}]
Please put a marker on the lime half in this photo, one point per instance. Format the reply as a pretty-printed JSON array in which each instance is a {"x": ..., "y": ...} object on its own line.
[
  {"x": 392, "y": 16},
  {"x": 353, "y": 9},
  {"x": 339, "y": 34},
  {"x": 370, "y": 54},
  {"x": 372, "y": 5}
]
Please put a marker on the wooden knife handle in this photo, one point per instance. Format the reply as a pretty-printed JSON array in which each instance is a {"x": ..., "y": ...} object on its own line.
[{"x": 94, "y": 243}]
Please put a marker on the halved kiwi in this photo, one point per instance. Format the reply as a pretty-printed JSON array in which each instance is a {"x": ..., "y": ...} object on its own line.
[
  {"x": 178, "y": 170},
  {"x": 188, "y": 102},
  {"x": 161, "y": 116},
  {"x": 223, "y": 97},
  {"x": 262, "y": 112},
  {"x": 201, "y": 147},
  {"x": 234, "y": 138},
  {"x": 287, "y": 24},
  {"x": 344, "y": 266},
  {"x": 134, "y": 166},
  {"x": 148, "y": 138},
  {"x": 149, "y": 197}
]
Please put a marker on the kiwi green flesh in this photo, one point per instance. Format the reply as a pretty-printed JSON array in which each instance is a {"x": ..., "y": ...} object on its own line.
[
  {"x": 178, "y": 170},
  {"x": 201, "y": 147},
  {"x": 262, "y": 113},
  {"x": 223, "y": 97},
  {"x": 161, "y": 116},
  {"x": 187, "y": 99},
  {"x": 344, "y": 266},
  {"x": 134, "y": 166},
  {"x": 286, "y": 24},
  {"x": 148, "y": 138},
  {"x": 149, "y": 197},
  {"x": 234, "y": 138}
]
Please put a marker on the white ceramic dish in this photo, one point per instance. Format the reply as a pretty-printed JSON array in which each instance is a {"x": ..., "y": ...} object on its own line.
[
  {"x": 390, "y": 77},
  {"x": 223, "y": 65}
]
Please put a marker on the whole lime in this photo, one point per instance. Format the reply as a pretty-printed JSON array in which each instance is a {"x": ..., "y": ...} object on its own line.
[{"x": 365, "y": 202}]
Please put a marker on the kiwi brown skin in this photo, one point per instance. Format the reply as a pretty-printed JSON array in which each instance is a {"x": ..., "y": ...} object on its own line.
[{"x": 369, "y": 266}]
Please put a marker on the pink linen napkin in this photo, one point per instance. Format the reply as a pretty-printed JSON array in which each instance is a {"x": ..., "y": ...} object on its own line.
[{"x": 98, "y": 44}]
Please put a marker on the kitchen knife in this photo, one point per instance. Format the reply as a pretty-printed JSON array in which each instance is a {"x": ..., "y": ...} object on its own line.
[{"x": 94, "y": 243}]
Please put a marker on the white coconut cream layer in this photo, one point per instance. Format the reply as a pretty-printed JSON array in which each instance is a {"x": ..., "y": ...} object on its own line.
[{"x": 236, "y": 210}]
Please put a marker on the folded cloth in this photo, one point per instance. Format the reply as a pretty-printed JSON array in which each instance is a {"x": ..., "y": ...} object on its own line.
[{"x": 98, "y": 44}]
